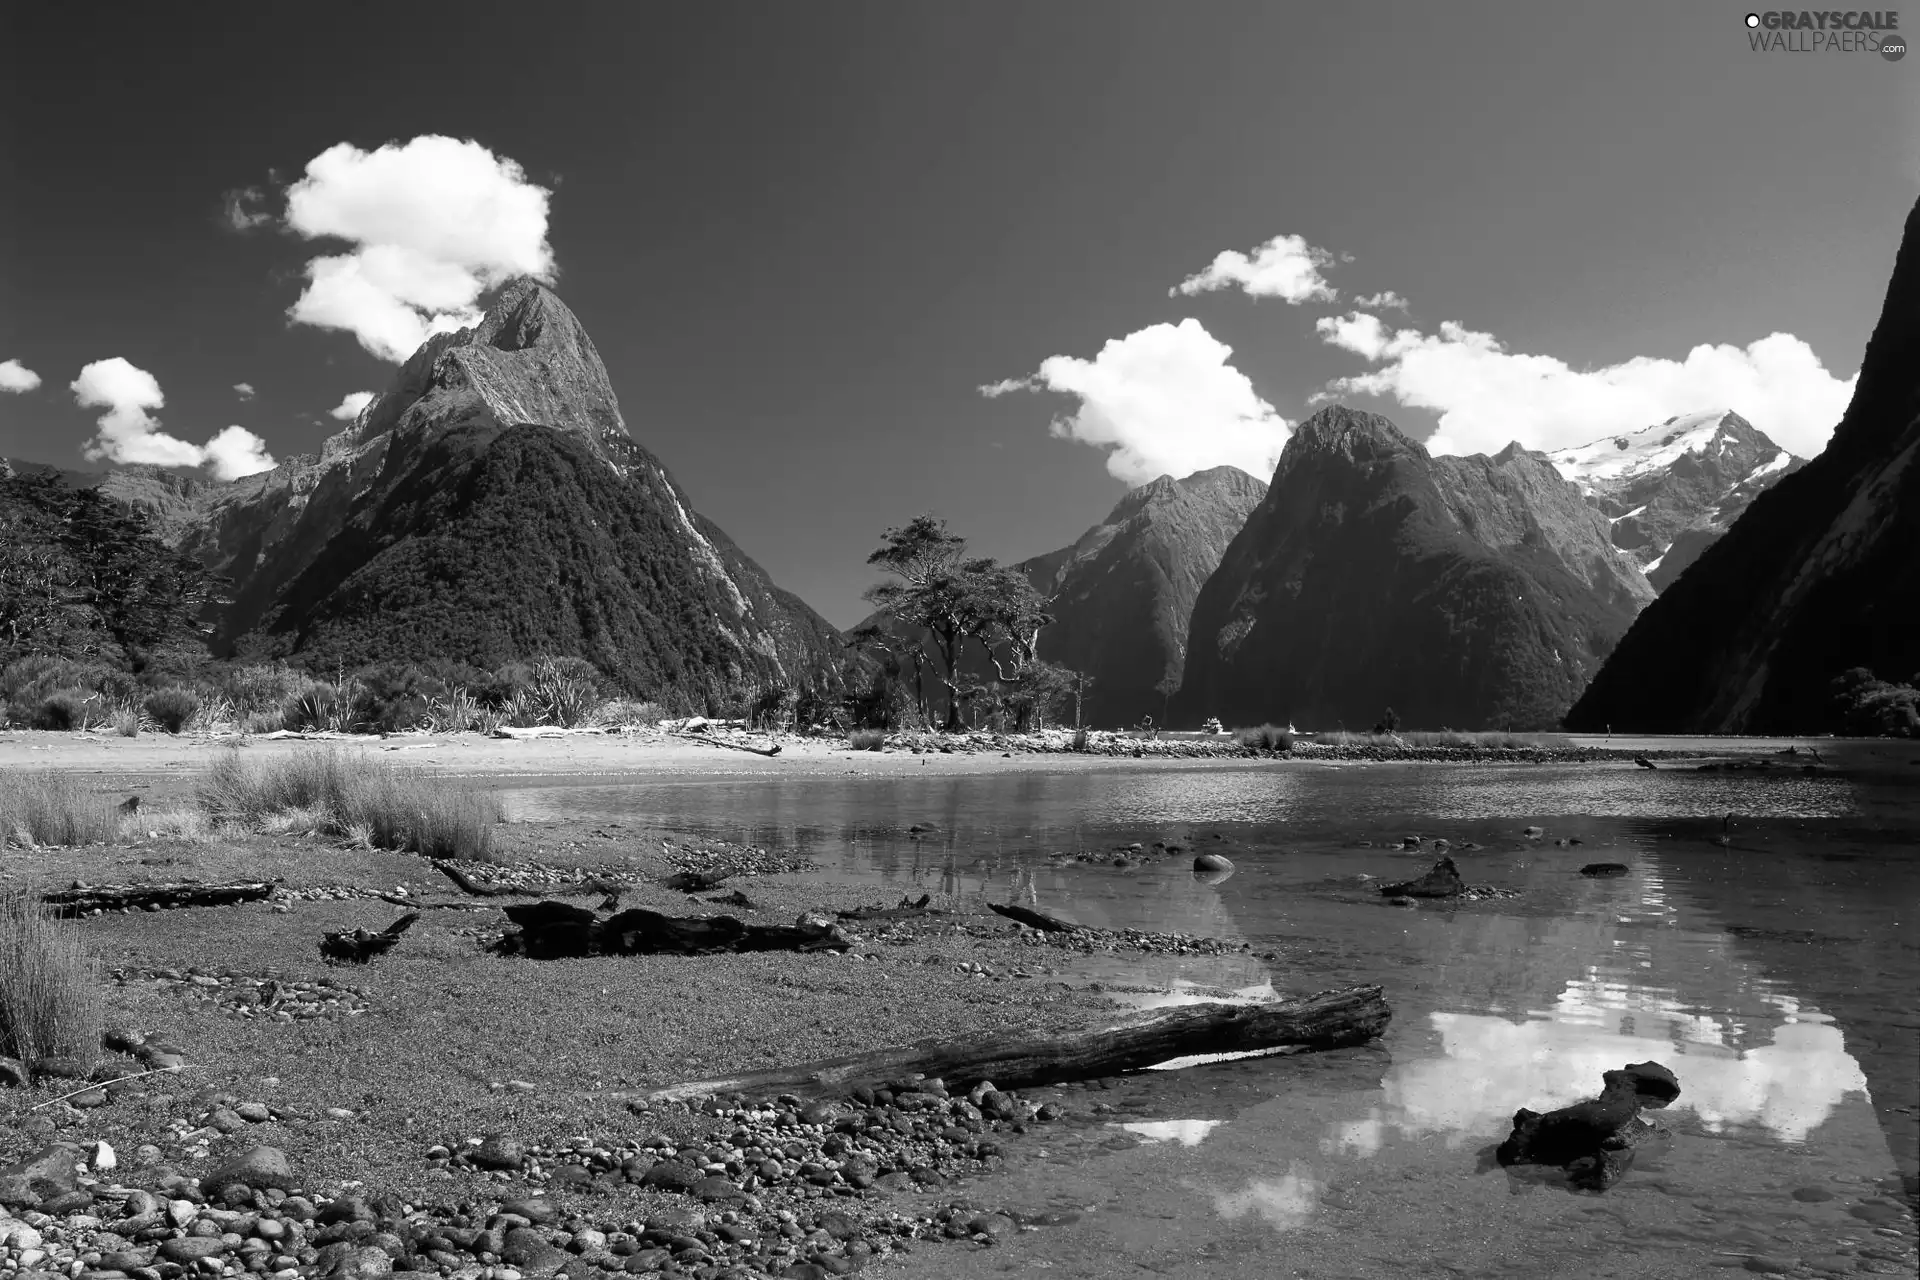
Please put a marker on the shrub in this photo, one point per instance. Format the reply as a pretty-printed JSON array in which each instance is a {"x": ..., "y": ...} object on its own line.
[
  {"x": 62, "y": 710},
  {"x": 171, "y": 708},
  {"x": 1080, "y": 739},
  {"x": 126, "y": 722},
  {"x": 867, "y": 739},
  {"x": 271, "y": 720},
  {"x": 1266, "y": 738},
  {"x": 563, "y": 694},
  {"x": 258, "y": 689},
  {"x": 394, "y": 807},
  {"x": 324, "y": 707},
  {"x": 50, "y": 1001},
  {"x": 626, "y": 712},
  {"x": 40, "y": 808}
]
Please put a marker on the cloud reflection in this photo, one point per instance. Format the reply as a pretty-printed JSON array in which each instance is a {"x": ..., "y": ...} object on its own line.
[
  {"x": 1490, "y": 1067},
  {"x": 1188, "y": 1133},
  {"x": 1286, "y": 1204}
]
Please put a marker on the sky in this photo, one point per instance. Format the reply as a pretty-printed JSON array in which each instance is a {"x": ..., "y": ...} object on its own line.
[{"x": 849, "y": 262}]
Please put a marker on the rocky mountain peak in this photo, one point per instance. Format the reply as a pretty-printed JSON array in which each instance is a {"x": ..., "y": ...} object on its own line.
[{"x": 1353, "y": 434}]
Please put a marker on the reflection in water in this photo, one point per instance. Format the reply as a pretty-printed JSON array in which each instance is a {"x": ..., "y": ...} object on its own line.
[
  {"x": 1188, "y": 1133},
  {"x": 1490, "y": 1067},
  {"x": 1285, "y": 1204}
]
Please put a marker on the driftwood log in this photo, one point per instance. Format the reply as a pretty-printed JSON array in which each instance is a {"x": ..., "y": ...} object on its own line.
[
  {"x": 1442, "y": 881},
  {"x": 357, "y": 946},
  {"x": 549, "y": 930},
  {"x": 1327, "y": 1020},
  {"x": 1034, "y": 919},
  {"x": 1593, "y": 1141},
  {"x": 773, "y": 750},
  {"x": 469, "y": 885},
  {"x": 696, "y": 881},
  {"x": 153, "y": 897},
  {"x": 905, "y": 911}
]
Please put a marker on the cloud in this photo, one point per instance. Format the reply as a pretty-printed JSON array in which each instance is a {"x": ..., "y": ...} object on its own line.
[
  {"x": 1166, "y": 401},
  {"x": 1385, "y": 300},
  {"x": 349, "y": 409},
  {"x": 236, "y": 452},
  {"x": 1486, "y": 395},
  {"x": 244, "y": 390},
  {"x": 16, "y": 377},
  {"x": 238, "y": 208},
  {"x": 432, "y": 223},
  {"x": 1284, "y": 267},
  {"x": 129, "y": 433}
]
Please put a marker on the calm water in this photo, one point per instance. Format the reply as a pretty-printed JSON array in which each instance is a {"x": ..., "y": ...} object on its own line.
[{"x": 1773, "y": 975}]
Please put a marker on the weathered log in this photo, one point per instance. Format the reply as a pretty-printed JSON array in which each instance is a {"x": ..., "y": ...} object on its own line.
[
  {"x": 1442, "y": 881},
  {"x": 357, "y": 946},
  {"x": 696, "y": 881},
  {"x": 1598, "y": 869},
  {"x": 553, "y": 929},
  {"x": 1034, "y": 919},
  {"x": 1327, "y": 1020},
  {"x": 905, "y": 911},
  {"x": 468, "y": 884},
  {"x": 773, "y": 750},
  {"x": 1593, "y": 1141},
  {"x": 153, "y": 897}
]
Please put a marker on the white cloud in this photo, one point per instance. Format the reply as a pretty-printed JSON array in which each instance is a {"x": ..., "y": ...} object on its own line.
[
  {"x": 1486, "y": 395},
  {"x": 1284, "y": 267},
  {"x": 1166, "y": 400},
  {"x": 349, "y": 409},
  {"x": 16, "y": 377},
  {"x": 1386, "y": 299},
  {"x": 236, "y": 452},
  {"x": 239, "y": 211},
  {"x": 433, "y": 222},
  {"x": 244, "y": 390},
  {"x": 129, "y": 432}
]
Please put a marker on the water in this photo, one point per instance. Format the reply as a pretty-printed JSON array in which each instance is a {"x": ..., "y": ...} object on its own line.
[{"x": 1772, "y": 974}]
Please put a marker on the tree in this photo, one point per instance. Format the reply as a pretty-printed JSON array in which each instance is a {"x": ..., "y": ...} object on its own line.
[{"x": 941, "y": 601}]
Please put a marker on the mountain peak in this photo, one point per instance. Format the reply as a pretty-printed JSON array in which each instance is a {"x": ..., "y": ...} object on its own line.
[{"x": 1354, "y": 433}]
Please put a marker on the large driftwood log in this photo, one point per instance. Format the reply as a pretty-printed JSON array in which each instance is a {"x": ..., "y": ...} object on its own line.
[
  {"x": 773, "y": 750},
  {"x": 469, "y": 885},
  {"x": 153, "y": 897},
  {"x": 549, "y": 930},
  {"x": 1034, "y": 919},
  {"x": 907, "y": 910},
  {"x": 357, "y": 946},
  {"x": 1323, "y": 1021},
  {"x": 1594, "y": 1141}
]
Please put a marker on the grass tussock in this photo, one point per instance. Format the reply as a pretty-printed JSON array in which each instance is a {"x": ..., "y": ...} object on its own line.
[
  {"x": 50, "y": 997},
  {"x": 867, "y": 739},
  {"x": 1484, "y": 741},
  {"x": 39, "y": 808},
  {"x": 1266, "y": 737},
  {"x": 372, "y": 802}
]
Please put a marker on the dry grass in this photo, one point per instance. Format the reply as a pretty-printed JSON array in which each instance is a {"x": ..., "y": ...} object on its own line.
[
  {"x": 41, "y": 808},
  {"x": 866, "y": 739},
  {"x": 1267, "y": 737},
  {"x": 337, "y": 793},
  {"x": 50, "y": 996}
]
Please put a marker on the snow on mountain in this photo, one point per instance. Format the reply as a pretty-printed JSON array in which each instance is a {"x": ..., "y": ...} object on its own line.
[{"x": 1616, "y": 460}]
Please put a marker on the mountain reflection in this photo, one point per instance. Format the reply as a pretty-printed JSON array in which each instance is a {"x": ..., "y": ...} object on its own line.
[{"x": 1490, "y": 1067}]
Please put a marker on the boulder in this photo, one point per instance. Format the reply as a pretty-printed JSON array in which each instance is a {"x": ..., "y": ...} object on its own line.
[
  {"x": 1212, "y": 862},
  {"x": 1442, "y": 881},
  {"x": 498, "y": 1151},
  {"x": 1593, "y": 1141},
  {"x": 256, "y": 1168}
]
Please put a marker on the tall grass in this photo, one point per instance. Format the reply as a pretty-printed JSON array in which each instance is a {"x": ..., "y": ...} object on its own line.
[
  {"x": 1267, "y": 737},
  {"x": 389, "y": 806},
  {"x": 50, "y": 1001},
  {"x": 38, "y": 808},
  {"x": 867, "y": 739},
  {"x": 1485, "y": 740}
]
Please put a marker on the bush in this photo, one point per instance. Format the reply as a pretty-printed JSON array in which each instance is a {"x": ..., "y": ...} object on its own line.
[
  {"x": 258, "y": 689},
  {"x": 1871, "y": 707},
  {"x": 391, "y": 806},
  {"x": 50, "y": 1001},
  {"x": 52, "y": 809},
  {"x": 324, "y": 707},
  {"x": 1080, "y": 739},
  {"x": 565, "y": 692},
  {"x": 171, "y": 708},
  {"x": 867, "y": 739},
  {"x": 126, "y": 722},
  {"x": 1266, "y": 738},
  {"x": 62, "y": 710},
  {"x": 625, "y": 712}
]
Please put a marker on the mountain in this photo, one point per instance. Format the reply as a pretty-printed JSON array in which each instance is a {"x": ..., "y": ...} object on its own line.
[
  {"x": 1464, "y": 592},
  {"x": 1122, "y": 595},
  {"x": 1817, "y": 577},
  {"x": 1673, "y": 488},
  {"x": 488, "y": 507}
]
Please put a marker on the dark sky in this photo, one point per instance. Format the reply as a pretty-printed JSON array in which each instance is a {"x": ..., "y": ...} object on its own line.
[{"x": 804, "y": 235}]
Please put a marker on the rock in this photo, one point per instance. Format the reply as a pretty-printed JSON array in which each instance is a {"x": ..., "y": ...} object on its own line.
[
  {"x": 14, "y": 1074},
  {"x": 671, "y": 1175},
  {"x": 253, "y": 1112},
  {"x": 714, "y": 1188},
  {"x": 1812, "y": 1195},
  {"x": 1442, "y": 881},
  {"x": 90, "y": 1099},
  {"x": 1593, "y": 1140},
  {"x": 1212, "y": 862},
  {"x": 526, "y": 1249},
  {"x": 1604, "y": 869},
  {"x": 48, "y": 1172},
  {"x": 104, "y": 1158},
  {"x": 189, "y": 1249},
  {"x": 1768, "y": 1266},
  {"x": 498, "y": 1151},
  {"x": 257, "y": 1168},
  {"x": 60, "y": 1068},
  {"x": 360, "y": 1262},
  {"x": 537, "y": 1210},
  {"x": 1533, "y": 833}
]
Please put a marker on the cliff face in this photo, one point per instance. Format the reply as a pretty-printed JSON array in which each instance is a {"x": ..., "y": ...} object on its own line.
[
  {"x": 1123, "y": 594},
  {"x": 1670, "y": 490},
  {"x": 1463, "y": 592},
  {"x": 1818, "y": 576}
]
